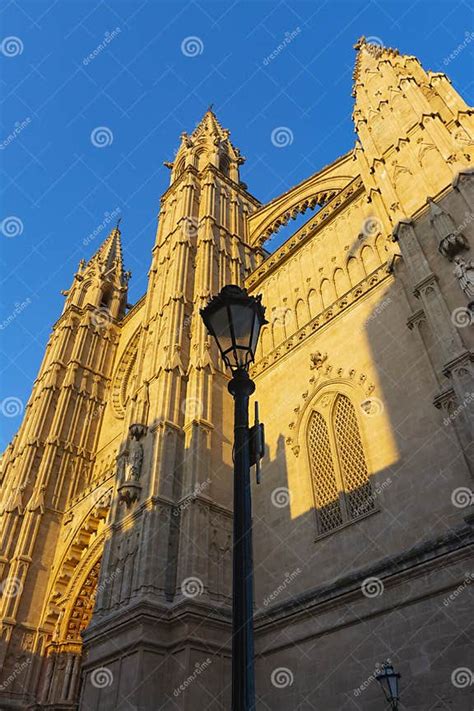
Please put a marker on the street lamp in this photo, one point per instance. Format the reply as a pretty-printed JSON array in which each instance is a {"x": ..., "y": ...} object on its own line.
[
  {"x": 234, "y": 319},
  {"x": 389, "y": 681}
]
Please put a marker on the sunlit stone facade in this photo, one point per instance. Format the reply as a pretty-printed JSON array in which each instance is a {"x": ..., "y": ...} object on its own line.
[{"x": 116, "y": 513}]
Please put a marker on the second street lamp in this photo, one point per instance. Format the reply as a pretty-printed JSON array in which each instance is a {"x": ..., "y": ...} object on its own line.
[
  {"x": 389, "y": 680},
  {"x": 234, "y": 319}
]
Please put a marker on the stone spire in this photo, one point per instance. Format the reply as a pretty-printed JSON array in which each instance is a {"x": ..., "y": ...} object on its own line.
[
  {"x": 102, "y": 281},
  {"x": 368, "y": 55},
  {"x": 208, "y": 144},
  {"x": 409, "y": 122},
  {"x": 109, "y": 254}
]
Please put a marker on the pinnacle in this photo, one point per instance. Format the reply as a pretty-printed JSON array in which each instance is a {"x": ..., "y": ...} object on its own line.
[
  {"x": 109, "y": 254},
  {"x": 210, "y": 123},
  {"x": 435, "y": 209},
  {"x": 370, "y": 50}
]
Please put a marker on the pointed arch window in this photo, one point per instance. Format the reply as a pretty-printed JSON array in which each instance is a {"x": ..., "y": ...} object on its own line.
[
  {"x": 339, "y": 472},
  {"x": 180, "y": 167}
]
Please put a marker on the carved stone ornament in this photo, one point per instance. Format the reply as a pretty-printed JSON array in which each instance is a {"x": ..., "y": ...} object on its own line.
[
  {"x": 464, "y": 272},
  {"x": 130, "y": 466},
  {"x": 453, "y": 243},
  {"x": 329, "y": 375},
  {"x": 318, "y": 359},
  {"x": 451, "y": 240}
]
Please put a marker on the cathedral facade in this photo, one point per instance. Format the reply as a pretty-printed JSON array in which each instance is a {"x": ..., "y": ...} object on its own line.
[{"x": 116, "y": 493}]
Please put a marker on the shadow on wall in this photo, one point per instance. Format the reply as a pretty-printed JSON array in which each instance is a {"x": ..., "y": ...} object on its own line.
[
  {"x": 359, "y": 495},
  {"x": 339, "y": 537}
]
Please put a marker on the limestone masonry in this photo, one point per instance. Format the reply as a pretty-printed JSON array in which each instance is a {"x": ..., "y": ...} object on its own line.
[{"x": 116, "y": 493}]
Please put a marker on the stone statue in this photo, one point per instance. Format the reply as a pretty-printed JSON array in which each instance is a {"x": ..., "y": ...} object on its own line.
[
  {"x": 129, "y": 466},
  {"x": 464, "y": 272},
  {"x": 134, "y": 459}
]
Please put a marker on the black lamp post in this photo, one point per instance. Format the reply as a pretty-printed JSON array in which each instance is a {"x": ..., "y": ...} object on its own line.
[
  {"x": 389, "y": 681},
  {"x": 234, "y": 319}
]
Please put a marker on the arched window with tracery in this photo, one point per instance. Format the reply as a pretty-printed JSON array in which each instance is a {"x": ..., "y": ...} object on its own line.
[{"x": 339, "y": 472}]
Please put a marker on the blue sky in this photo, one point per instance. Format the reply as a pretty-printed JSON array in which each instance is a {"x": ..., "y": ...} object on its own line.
[{"x": 69, "y": 68}]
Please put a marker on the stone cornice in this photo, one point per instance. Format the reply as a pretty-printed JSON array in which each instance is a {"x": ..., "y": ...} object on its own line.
[
  {"x": 462, "y": 359},
  {"x": 444, "y": 398},
  {"x": 416, "y": 318},
  {"x": 157, "y": 501},
  {"x": 322, "y": 319},
  {"x": 428, "y": 280},
  {"x": 146, "y": 610},
  {"x": 307, "y": 232}
]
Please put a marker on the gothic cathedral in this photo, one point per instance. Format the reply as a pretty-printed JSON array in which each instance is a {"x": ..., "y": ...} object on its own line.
[{"x": 116, "y": 493}]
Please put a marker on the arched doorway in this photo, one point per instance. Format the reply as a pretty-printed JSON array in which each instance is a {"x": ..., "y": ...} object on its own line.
[{"x": 64, "y": 653}]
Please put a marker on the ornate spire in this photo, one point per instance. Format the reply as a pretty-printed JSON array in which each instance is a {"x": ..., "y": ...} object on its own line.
[
  {"x": 109, "y": 255},
  {"x": 210, "y": 124},
  {"x": 369, "y": 51},
  {"x": 208, "y": 144},
  {"x": 102, "y": 281}
]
